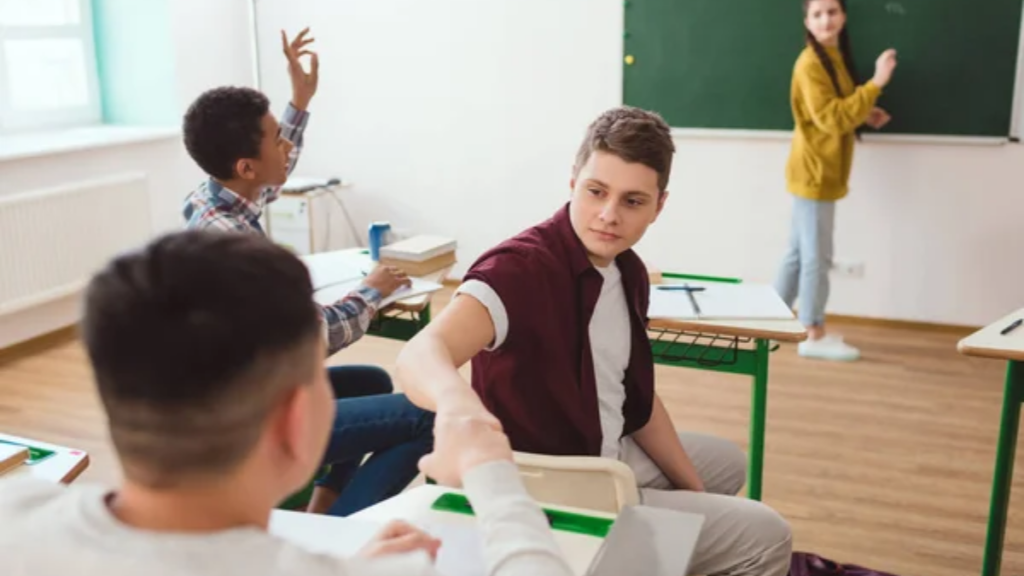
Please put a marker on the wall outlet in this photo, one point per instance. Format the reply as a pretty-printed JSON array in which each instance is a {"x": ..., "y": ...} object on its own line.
[{"x": 848, "y": 269}]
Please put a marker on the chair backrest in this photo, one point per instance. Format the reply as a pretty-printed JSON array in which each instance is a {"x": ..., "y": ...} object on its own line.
[{"x": 578, "y": 481}]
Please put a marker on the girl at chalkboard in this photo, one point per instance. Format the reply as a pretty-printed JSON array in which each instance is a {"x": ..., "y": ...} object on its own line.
[{"x": 829, "y": 108}]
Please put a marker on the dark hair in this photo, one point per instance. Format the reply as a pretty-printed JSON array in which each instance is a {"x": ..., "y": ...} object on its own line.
[
  {"x": 192, "y": 340},
  {"x": 223, "y": 126},
  {"x": 633, "y": 134},
  {"x": 844, "y": 49}
]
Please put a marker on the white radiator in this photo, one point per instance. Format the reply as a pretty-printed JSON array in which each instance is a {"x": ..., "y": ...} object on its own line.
[{"x": 52, "y": 241}]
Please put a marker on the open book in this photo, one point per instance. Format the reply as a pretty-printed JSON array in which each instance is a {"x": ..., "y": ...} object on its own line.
[
  {"x": 335, "y": 274},
  {"x": 327, "y": 268},
  {"x": 334, "y": 292}
]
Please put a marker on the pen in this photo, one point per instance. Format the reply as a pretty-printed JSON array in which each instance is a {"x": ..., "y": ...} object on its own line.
[
  {"x": 680, "y": 287},
  {"x": 693, "y": 301},
  {"x": 1011, "y": 327}
]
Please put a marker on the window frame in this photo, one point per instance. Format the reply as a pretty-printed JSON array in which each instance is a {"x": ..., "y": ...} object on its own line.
[{"x": 91, "y": 114}]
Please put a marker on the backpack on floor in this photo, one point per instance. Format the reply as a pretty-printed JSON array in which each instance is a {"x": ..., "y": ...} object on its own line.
[{"x": 805, "y": 564}]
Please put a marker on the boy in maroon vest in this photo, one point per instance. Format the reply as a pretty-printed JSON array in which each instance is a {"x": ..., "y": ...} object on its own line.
[{"x": 555, "y": 320}]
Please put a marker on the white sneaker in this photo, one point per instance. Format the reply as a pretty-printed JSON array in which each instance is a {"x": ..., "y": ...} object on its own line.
[{"x": 830, "y": 347}]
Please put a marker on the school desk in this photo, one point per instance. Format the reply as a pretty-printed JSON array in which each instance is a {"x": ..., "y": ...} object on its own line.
[
  {"x": 417, "y": 506},
  {"x": 405, "y": 318},
  {"x": 345, "y": 536},
  {"x": 447, "y": 514},
  {"x": 991, "y": 342},
  {"x": 55, "y": 463},
  {"x": 733, "y": 347}
]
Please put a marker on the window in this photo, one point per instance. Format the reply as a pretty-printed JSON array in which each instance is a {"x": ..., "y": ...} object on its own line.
[{"x": 48, "y": 73}]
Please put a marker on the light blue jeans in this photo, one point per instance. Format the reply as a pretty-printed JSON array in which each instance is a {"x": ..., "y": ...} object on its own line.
[{"x": 805, "y": 268}]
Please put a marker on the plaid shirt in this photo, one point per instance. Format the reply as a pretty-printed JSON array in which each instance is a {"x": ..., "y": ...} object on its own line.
[{"x": 213, "y": 206}]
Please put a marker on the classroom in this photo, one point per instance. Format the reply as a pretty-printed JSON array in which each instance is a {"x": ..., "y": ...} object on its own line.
[{"x": 807, "y": 206}]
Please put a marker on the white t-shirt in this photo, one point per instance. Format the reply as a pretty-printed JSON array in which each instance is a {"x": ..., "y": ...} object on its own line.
[
  {"x": 610, "y": 346},
  {"x": 54, "y": 530}
]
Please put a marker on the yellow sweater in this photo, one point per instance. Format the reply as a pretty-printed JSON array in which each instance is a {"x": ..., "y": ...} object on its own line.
[{"x": 823, "y": 136}]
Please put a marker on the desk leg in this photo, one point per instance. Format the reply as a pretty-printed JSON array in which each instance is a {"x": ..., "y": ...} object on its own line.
[
  {"x": 758, "y": 405},
  {"x": 1013, "y": 396}
]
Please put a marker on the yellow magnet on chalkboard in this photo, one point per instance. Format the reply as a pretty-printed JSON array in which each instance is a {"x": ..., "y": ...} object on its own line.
[{"x": 630, "y": 60}]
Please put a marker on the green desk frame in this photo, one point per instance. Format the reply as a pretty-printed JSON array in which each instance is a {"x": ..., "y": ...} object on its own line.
[
  {"x": 728, "y": 354},
  {"x": 399, "y": 324},
  {"x": 994, "y": 342},
  {"x": 1002, "y": 480}
]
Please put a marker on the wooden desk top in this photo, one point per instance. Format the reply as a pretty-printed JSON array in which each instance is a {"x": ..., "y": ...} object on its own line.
[
  {"x": 989, "y": 343},
  {"x": 64, "y": 466}
]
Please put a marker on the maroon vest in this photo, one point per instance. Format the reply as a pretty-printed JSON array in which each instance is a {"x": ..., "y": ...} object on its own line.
[{"x": 540, "y": 382}]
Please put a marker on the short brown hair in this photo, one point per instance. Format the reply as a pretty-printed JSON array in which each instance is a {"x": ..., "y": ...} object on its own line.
[
  {"x": 633, "y": 134},
  {"x": 193, "y": 340}
]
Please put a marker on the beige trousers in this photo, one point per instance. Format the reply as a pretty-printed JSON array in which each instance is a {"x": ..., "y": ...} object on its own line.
[{"x": 740, "y": 537}]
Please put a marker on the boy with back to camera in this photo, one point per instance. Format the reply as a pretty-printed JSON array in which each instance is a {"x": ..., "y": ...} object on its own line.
[{"x": 210, "y": 445}]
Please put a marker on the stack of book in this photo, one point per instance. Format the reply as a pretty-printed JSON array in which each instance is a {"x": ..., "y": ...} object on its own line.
[{"x": 420, "y": 255}]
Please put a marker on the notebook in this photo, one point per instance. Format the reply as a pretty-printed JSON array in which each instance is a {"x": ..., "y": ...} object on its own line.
[
  {"x": 718, "y": 301},
  {"x": 327, "y": 268}
]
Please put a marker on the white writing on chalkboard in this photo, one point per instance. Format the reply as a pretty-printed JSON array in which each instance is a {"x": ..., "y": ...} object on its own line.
[{"x": 895, "y": 8}]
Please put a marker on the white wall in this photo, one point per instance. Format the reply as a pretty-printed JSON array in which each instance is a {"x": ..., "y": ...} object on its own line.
[
  {"x": 213, "y": 45},
  {"x": 212, "y": 42},
  {"x": 447, "y": 115},
  {"x": 462, "y": 117}
]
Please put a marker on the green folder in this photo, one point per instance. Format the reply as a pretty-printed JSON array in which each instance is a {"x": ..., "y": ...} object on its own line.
[{"x": 558, "y": 519}]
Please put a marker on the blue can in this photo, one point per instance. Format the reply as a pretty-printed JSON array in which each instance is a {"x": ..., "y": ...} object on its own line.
[{"x": 378, "y": 232}]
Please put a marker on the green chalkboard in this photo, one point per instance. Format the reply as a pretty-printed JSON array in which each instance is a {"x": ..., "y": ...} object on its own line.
[{"x": 728, "y": 63}]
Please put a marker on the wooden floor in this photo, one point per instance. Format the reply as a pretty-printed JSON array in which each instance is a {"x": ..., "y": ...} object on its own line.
[{"x": 885, "y": 463}]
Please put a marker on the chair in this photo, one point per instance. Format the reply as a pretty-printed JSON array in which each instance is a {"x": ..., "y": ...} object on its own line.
[{"x": 586, "y": 482}]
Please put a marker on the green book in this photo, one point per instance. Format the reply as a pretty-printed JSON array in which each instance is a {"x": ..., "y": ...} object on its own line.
[{"x": 558, "y": 519}]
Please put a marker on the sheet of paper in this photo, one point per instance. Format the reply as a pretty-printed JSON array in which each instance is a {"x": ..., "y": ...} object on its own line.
[
  {"x": 335, "y": 292},
  {"x": 720, "y": 301},
  {"x": 328, "y": 268},
  {"x": 461, "y": 552},
  {"x": 650, "y": 541},
  {"x": 323, "y": 534}
]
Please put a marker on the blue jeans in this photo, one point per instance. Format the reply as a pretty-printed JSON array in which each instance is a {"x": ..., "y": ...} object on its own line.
[
  {"x": 805, "y": 268},
  {"x": 388, "y": 426}
]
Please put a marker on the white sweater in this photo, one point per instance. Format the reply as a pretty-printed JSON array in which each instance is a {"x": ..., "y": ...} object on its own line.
[{"x": 54, "y": 530}]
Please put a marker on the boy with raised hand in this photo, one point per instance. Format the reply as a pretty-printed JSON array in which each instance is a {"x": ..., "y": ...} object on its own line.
[
  {"x": 555, "y": 323},
  {"x": 234, "y": 138},
  {"x": 217, "y": 415},
  {"x": 232, "y": 135}
]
